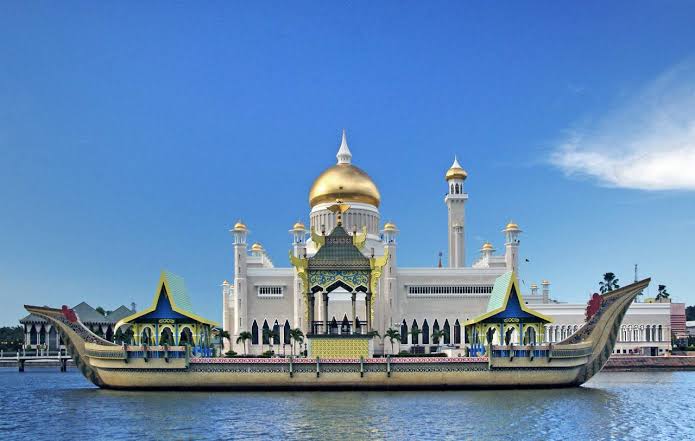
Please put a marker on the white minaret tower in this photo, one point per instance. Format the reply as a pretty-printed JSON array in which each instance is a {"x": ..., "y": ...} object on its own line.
[
  {"x": 387, "y": 299},
  {"x": 239, "y": 232},
  {"x": 298, "y": 233},
  {"x": 511, "y": 246},
  {"x": 455, "y": 201}
]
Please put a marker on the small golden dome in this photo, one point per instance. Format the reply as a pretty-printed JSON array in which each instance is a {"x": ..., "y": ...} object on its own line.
[
  {"x": 456, "y": 171},
  {"x": 487, "y": 246},
  {"x": 511, "y": 226},
  {"x": 390, "y": 226},
  {"x": 545, "y": 282},
  {"x": 239, "y": 226},
  {"x": 299, "y": 226},
  {"x": 345, "y": 182},
  {"x": 256, "y": 247},
  {"x": 534, "y": 286}
]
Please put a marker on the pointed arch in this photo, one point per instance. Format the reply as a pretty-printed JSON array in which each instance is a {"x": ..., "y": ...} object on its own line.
[
  {"x": 425, "y": 333},
  {"x": 254, "y": 333},
  {"x": 404, "y": 333},
  {"x": 435, "y": 327},
  {"x": 447, "y": 332},
  {"x": 276, "y": 333},
  {"x": 457, "y": 332},
  {"x": 265, "y": 338},
  {"x": 333, "y": 326},
  {"x": 286, "y": 333},
  {"x": 413, "y": 331},
  {"x": 345, "y": 325}
]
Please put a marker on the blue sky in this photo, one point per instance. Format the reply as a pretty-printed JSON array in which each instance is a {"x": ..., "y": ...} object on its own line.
[{"x": 132, "y": 136}]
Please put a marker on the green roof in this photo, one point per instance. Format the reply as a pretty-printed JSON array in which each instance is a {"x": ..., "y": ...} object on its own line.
[
  {"x": 339, "y": 253},
  {"x": 177, "y": 291},
  {"x": 499, "y": 292}
]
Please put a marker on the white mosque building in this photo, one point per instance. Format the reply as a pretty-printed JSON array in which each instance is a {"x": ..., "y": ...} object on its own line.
[{"x": 262, "y": 296}]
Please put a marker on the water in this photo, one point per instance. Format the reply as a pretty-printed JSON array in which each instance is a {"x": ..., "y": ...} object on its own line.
[{"x": 44, "y": 404}]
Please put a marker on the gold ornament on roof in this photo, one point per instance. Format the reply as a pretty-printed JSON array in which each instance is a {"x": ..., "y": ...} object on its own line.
[{"x": 456, "y": 171}]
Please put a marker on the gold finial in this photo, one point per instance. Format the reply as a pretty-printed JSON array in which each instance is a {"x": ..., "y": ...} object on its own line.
[{"x": 339, "y": 208}]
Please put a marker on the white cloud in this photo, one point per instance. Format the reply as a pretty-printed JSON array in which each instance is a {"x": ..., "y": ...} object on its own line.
[{"x": 648, "y": 143}]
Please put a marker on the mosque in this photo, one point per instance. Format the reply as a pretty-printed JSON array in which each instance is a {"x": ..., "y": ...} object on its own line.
[{"x": 344, "y": 279}]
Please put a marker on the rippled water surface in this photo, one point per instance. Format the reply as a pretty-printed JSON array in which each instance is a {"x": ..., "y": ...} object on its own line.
[{"x": 43, "y": 404}]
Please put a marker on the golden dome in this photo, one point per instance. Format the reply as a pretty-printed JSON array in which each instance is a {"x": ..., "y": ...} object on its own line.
[
  {"x": 456, "y": 171},
  {"x": 545, "y": 282},
  {"x": 487, "y": 246},
  {"x": 256, "y": 247},
  {"x": 239, "y": 226},
  {"x": 390, "y": 226},
  {"x": 345, "y": 182},
  {"x": 512, "y": 226},
  {"x": 534, "y": 286},
  {"x": 299, "y": 226}
]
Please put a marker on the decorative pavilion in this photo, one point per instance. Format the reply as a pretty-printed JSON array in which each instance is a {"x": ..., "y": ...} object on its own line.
[
  {"x": 339, "y": 263},
  {"x": 169, "y": 321},
  {"x": 507, "y": 320}
]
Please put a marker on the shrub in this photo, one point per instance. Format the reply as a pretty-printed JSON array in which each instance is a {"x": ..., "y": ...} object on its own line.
[{"x": 229, "y": 354}]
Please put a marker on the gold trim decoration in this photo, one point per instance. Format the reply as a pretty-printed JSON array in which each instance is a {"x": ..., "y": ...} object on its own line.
[
  {"x": 318, "y": 239},
  {"x": 377, "y": 266},
  {"x": 359, "y": 239}
]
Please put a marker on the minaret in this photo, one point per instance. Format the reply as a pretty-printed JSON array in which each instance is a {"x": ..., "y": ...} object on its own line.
[
  {"x": 546, "y": 291},
  {"x": 298, "y": 232},
  {"x": 486, "y": 252},
  {"x": 387, "y": 299},
  {"x": 239, "y": 232},
  {"x": 226, "y": 318},
  {"x": 511, "y": 246},
  {"x": 455, "y": 201}
]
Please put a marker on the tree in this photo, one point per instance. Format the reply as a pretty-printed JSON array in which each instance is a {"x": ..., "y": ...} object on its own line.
[
  {"x": 100, "y": 310},
  {"x": 609, "y": 283},
  {"x": 438, "y": 335},
  {"x": 296, "y": 336},
  {"x": 269, "y": 334},
  {"x": 372, "y": 334},
  {"x": 690, "y": 313},
  {"x": 243, "y": 337},
  {"x": 224, "y": 334},
  {"x": 392, "y": 335},
  {"x": 11, "y": 338},
  {"x": 662, "y": 294},
  {"x": 415, "y": 334}
]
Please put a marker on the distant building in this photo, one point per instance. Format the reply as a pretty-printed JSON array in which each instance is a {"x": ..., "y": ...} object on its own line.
[
  {"x": 690, "y": 328},
  {"x": 38, "y": 331}
]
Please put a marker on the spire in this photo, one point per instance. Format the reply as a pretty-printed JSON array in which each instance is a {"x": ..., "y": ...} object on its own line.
[
  {"x": 344, "y": 156},
  {"x": 456, "y": 163}
]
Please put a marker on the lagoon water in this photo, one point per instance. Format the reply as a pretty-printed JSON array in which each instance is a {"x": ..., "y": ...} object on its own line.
[{"x": 44, "y": 404}]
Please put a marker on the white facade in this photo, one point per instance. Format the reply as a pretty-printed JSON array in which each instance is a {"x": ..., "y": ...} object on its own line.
[{"x": 262, "y": 295}]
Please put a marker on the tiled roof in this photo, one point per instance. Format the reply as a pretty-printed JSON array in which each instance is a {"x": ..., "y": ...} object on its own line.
[
  {"x": 339, "y": 252},
  {"x": 499, "y": 291},
  {"x": 87, "y": 314},
  {"x": 119, "y": 313}
]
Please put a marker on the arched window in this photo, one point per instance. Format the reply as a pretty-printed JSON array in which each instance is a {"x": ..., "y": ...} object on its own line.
[
  {"x": 435, "y": 328},
  {"x": 425, "y": 333},
  {"x": 186, "y": 336},
  {"x": 265, "y": 337},
  {"x": 648, "y": 334},
  {"x": 166, "y": 337},
  {"x": 345, "y": 325},
  {"x": 447, "y": 332},
  {"x": 276, "y": 333},
  {"x": 286, "y": 333},
  {"x": 530, "y": 337},
  {"x": 254, "y": 333},
  {"x": 414, "y": 333},
  {"x": 404, "y": 333},
  {"x": 457, "y": 332},
  {"x": 333, "y": 325},
  {"x": 660, "y": 333}
]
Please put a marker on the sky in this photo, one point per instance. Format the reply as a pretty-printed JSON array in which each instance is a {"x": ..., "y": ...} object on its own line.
[{"x": 133, "y": 135}]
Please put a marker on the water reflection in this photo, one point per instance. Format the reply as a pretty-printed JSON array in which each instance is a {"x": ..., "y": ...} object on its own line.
[{"x": 612, "y": 406}]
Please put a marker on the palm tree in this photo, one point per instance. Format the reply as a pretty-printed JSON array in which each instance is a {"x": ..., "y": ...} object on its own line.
[
  {"x": 243, "y": 337},
  {"x": 439, "y": 335},
  {"x": 224, "y": 334},
  {"x": 609, "y": 283},
  {"x": 296, "y": 335},
  {"x": 392, "y": 335},
  {"x": 662, "y": 294},
  {"x": 269, "y": 334},
  {"x": 372, "y": 334},
  {"x": 415, "y": 334}
]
